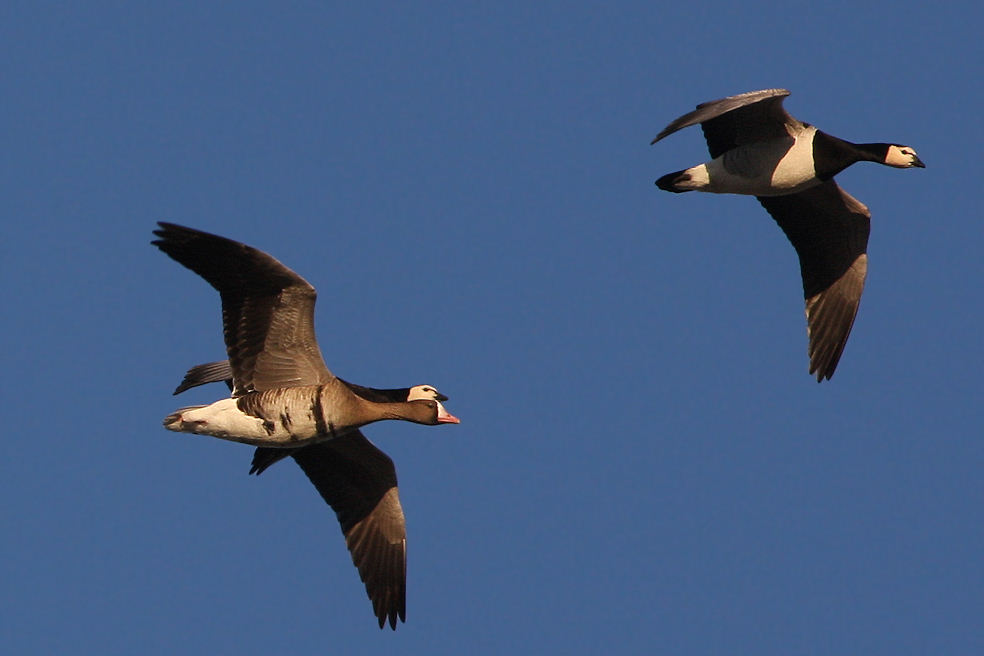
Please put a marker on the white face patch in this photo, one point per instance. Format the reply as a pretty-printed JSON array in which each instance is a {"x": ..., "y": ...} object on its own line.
[
  {"x": 426, "y": 392},
  {"x": 902, "y": 157}
]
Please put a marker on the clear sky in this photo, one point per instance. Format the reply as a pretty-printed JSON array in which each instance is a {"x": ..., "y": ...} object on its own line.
[{"x": 643, "y": 464}]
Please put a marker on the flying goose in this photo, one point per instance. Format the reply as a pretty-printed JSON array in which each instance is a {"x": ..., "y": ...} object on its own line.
[
  {"x": 758, "y": 149},
  {"x": 264, "y": 457},
  {"x": 284, "y": 396},
  {"x": 358, "y": 481}
]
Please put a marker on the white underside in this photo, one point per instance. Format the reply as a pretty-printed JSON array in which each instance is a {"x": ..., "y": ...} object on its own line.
[
  {"x": 766, "y": 168},
  {"x": 225, "y": 420}
]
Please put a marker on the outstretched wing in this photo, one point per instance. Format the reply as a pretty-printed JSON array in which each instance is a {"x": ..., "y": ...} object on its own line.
[
  {"x": 359, "y": 482},
  {"x": 736, "y": 120},
  {"x": 267, "y": 309},
  {"x": 829, "y": 229}
]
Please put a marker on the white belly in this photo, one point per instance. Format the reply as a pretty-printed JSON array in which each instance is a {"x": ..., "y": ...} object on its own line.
[
  {"x": 225, "y": 420},
  {"x": 767, "y": 168}
]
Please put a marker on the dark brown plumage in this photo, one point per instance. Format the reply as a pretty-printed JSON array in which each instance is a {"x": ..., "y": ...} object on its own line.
[
  {"x": 276, "y": 374},
  {"x": 829, "y": 230},
  {"x": 267, "y": 310}
]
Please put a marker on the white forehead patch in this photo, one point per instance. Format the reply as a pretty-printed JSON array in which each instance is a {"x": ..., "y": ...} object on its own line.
[{"x": 417, "y": 392}]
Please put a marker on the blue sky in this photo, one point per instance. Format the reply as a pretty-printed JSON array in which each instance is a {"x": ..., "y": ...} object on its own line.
[{"x": 643, "y": 464}]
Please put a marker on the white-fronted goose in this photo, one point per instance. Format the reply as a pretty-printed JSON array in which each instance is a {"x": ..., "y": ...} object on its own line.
[
  {"x": 758, "y": 149},
  {"x": 359, "y": 482},
  {"x": 264, "y": 457},
  {"x": 284, "y": 396}
]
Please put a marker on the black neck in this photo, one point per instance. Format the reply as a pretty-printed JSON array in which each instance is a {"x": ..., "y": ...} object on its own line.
[
  {"x": 873, "y": 152},
  {"x": 832, "y": 155},
  {"x": 379, "y": 395}
]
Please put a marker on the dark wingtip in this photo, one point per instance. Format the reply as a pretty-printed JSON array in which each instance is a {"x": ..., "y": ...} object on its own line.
[
  {"x": 266, "y": 457},
  {"x": 164, "y": 234},
  {"x": 202, "y": 374},
  {"x": 164, "y": 228},
  {"x": 659, "y": 137},
  {"x": 186, "y": 384},
  {"x": 825, "y": 370},
  {"x": 391, "y": 617},
  {"x": 168, "y": 232}
]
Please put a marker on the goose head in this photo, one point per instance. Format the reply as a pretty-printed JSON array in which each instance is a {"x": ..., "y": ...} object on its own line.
[
  {"x": 418, "y": 392},
  {"x": 902, "y": 157}
]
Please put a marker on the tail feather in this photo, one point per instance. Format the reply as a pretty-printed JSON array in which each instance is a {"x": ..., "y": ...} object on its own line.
[
  {"x": 670, "y": 181},
  {"x": 173, "y": 421}
]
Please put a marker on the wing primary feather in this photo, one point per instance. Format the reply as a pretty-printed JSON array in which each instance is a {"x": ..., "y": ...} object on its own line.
[{"x": 714, "y": 108}]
